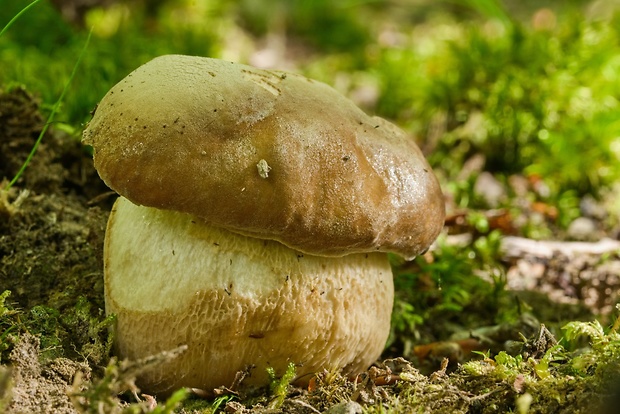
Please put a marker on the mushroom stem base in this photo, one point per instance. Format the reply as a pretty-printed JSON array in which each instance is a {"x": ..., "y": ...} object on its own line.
[{"x": 237, "y": 302}]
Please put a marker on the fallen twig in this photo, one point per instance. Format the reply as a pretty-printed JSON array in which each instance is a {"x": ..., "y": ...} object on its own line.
[{"x": 518, "y": 247}]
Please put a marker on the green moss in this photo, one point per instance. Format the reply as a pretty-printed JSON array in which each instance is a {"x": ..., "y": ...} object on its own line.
[
  {"x": 278, "y": 387},
  {"x": 534, "y": 95},
  {"x": 433, "y": 299},
  {"x": 9, "y": 323},
  {"x": 77, "y": 332},
  {"x": 328, "y": 25}
]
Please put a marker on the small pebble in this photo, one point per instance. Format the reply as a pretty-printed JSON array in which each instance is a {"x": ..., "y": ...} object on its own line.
[
  {"x": 490, "y": 189},
  {"x": 345, "y": 407},
  {"x": 591, "y": 208},
  {"x": 583, "y": 229}
]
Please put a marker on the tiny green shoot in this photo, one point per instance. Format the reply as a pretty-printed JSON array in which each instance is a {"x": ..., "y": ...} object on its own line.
[
  {"x": 279, "y": 386},
  {"x": 24, "y": 10},
  {"x": 56, "y": 106},
  {"x": 172, "y": 403},
  {"x": 220, "y": 402}
]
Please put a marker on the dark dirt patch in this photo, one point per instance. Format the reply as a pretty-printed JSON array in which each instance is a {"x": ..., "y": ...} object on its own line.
[
  {"x": 50, "y": 238},
  {"x": 51, "y": 242},
  {"x": 61, "y": 165}
]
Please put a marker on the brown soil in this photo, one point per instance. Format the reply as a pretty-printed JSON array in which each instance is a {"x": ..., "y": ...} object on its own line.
[{"x": 51, "y": 236}]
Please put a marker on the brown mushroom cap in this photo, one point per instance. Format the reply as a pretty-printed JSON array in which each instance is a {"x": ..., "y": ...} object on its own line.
[{"x": 267, "y": 154}]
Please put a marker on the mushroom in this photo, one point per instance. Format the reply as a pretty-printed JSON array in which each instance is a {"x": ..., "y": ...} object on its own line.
[{"x": 255, "y": 214}]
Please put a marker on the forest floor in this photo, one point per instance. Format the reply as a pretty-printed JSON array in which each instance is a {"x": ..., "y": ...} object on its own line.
[{"x": 55, "y": 335}]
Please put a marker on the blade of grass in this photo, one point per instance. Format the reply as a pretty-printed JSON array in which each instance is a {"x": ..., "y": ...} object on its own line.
[
  {"x": 24, "y": 10},
  {"x": 491, "y": 9},
  {"x": 52, "y": 114}
]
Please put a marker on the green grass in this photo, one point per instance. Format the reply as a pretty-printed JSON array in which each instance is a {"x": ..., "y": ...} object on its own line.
[
  {"x": 55, "y": 107},
  {"x": 541, "y": 96},
  {"x": 17, "y": 15},
  {"x": 41, "y": 50}
]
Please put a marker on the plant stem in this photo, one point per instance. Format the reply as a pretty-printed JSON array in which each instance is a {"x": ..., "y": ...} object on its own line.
[
  {"x": 24, "y": 10},
  {"x": 50, "y": 118}
]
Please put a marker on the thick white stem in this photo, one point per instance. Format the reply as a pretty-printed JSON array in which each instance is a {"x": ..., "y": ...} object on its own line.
[{"x": 237, "y": 301}]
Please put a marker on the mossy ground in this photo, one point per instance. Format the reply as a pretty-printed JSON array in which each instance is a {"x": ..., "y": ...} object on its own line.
[
  {"x": 473, "y": 331},
  {"x": 55, "y": 343}
]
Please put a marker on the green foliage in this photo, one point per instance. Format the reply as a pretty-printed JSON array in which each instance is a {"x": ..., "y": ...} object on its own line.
[
  {"x": 492, "y": 9},
  {"x": 123, "y": 39},
  {"x": 523, "y": 97},
  {"x": 220, "y": 402},
  {"x": 10, "y": 23},
  {"x": 593, "y": 330},
  {"x": 90, "y": 329},
  {"x": 547, "y": 376},
  {"x": 45, "y": 322},
  {"x": 405, "y": 319},
  {"x": 448, "y": 289},
  {"x": 506, "y": 360},
  {"x": 50, "y": 117},
  {"x": 403, "y": 86},
  {"x": 172, "y": 403},
  {"x": 602, "y": 358},
  {"x": 278, "y": 387},
  {"x": 326, "y": 24},
  {"x": 8, "y": 324}
]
